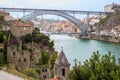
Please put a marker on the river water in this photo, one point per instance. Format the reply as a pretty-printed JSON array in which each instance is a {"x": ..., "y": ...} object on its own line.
[{"x": 83, "y": 49}]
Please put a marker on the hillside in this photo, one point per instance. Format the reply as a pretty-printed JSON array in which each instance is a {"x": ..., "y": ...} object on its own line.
[{"x": 109, "y": 22}]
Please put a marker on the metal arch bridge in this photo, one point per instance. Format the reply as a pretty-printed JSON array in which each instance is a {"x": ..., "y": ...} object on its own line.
[
  {"x": 63, "y": 13},
  {"x": 62, "y": 33},
  {"x": 75, "y": 21}
]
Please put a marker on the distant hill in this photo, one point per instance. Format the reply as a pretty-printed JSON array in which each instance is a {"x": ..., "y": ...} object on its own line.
[{"x": 109, "y": 22}]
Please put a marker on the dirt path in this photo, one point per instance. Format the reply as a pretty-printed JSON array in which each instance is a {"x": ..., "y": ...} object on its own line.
[{"x": 7, "y": 76}]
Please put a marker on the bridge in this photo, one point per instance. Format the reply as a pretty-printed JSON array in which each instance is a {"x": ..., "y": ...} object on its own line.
[
  {"x": 61, "y": 33},
  {"x": 63, "y": 13}
]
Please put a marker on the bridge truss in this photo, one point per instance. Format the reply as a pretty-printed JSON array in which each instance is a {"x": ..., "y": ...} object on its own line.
[{"x": 63, "y": 13}]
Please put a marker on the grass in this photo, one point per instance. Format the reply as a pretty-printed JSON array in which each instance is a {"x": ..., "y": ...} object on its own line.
[
  {"x": 102, "y": 21},
  {"x": 19, "y": 74}
]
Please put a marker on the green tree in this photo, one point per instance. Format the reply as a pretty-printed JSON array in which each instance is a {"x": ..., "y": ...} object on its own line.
[
  {"x": 3, "y": 40},
  {"x": 5, "y": 53},
  {"x": 1, "y": 59},
  {"x": 31, "y": 72},
  {"x": 44, "y": 60},
  {"x": 97, "y": 68},
  {"x": 37, "y": 37},
  {"x": 53, "y": 58},
  {"x": 1, "y": 37},
  {"x": 27, "y": 38}
]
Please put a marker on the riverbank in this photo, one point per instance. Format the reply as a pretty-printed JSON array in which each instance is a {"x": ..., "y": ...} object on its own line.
[
  {"x": 107, "y": 38},
  {"x": 83, "y": 49}
]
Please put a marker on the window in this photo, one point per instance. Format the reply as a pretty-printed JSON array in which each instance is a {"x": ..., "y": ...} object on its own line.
[
  {"x": 44, "y": 77},
  {"x": 38, "y": 71},
  {"x": 63, "y": 72},
  {"x": 24, "y": 59},
  {"x": 45, "y": 70},
  {"x": 19, "y": 60},
  {"x": 24, "y": 28},
  {"x": 55, "y": 70},
  {"x": 13, "y": 53},
  {"x": 22, "y": 53},
  {"x": 12, "y": 48}
]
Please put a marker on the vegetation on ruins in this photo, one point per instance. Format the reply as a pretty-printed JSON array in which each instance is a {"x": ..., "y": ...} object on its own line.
[
  {"x": 37, "y": 37},
  {"x": 46, "y": 59},
  {"x": 31, "y": 72},
  {"x": 3, "y": 51}
]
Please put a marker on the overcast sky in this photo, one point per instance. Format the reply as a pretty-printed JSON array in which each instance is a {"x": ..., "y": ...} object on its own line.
[
  {"x": 89, "y": 5},
  {"x": 96, "y": 5}
]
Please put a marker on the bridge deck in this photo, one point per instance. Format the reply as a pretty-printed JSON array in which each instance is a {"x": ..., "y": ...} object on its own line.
[
  {"x": 67, "y": 11},
  {"x": 63, "y": 33}
]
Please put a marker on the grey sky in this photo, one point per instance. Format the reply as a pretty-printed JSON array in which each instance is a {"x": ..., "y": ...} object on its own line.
[
  {"x": 95, "y": 5},
  {"x": 89, "y": 5}
]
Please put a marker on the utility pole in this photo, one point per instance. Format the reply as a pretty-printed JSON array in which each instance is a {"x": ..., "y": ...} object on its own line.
[{"x": 75, "y": 60}]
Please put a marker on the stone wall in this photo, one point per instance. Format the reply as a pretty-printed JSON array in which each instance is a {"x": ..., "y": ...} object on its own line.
[
  {"x": 21, "y": 31},
  {"x": 21, "y": 58}
]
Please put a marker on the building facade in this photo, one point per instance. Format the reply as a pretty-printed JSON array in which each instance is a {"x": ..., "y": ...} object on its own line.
[
  {"x": 23, "y": 59},
  {"x": 61, "y": 67},
  {"x": 22, "y": 29},
  {"x": 111, "y": 7}
]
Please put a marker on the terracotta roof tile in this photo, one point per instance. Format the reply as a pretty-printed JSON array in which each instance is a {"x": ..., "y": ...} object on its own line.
[
  {"x": 24, "y": 25},
  {"x": 53, "y": 79}
]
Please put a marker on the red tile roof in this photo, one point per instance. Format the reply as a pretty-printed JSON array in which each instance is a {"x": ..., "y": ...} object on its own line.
[
  {"x": 24, "y": 25},
  {"x": 53, "y": 79}
]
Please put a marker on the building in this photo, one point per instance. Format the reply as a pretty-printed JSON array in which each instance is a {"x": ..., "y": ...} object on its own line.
[
  {"x": 22, "y": 29},
  {"x": 27, "y": 58},
  {"x": 111, "y": 7},
  {"x": 61, "y": 67},
  {"x": 116, "y": 31},
  {"x": 21, "y": 58}
]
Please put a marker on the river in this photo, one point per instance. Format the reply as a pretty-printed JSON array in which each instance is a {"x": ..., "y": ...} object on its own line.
[{"x": 83, "y": 49}]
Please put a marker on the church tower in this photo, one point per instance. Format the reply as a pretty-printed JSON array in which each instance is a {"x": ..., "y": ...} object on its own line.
[{"x": 61, "y": 67}]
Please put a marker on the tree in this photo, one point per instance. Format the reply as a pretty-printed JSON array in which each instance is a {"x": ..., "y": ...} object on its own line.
[
  {"x": 44, "y": 59},
  {"x": 51, "y": 44},
  {"x": 1, "y": 37},
  {"x": 37, "y": 37},
  {"x": 27, "y": 38},
  {"x": 3, "y": 40},
  {"x": 5, "y": 53},
  {"x": 53, "y": 58},
  {"x": 97, "y": 68},
  {"x": 31, "y": 72},
  {"x": 1, "y": 59}
]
